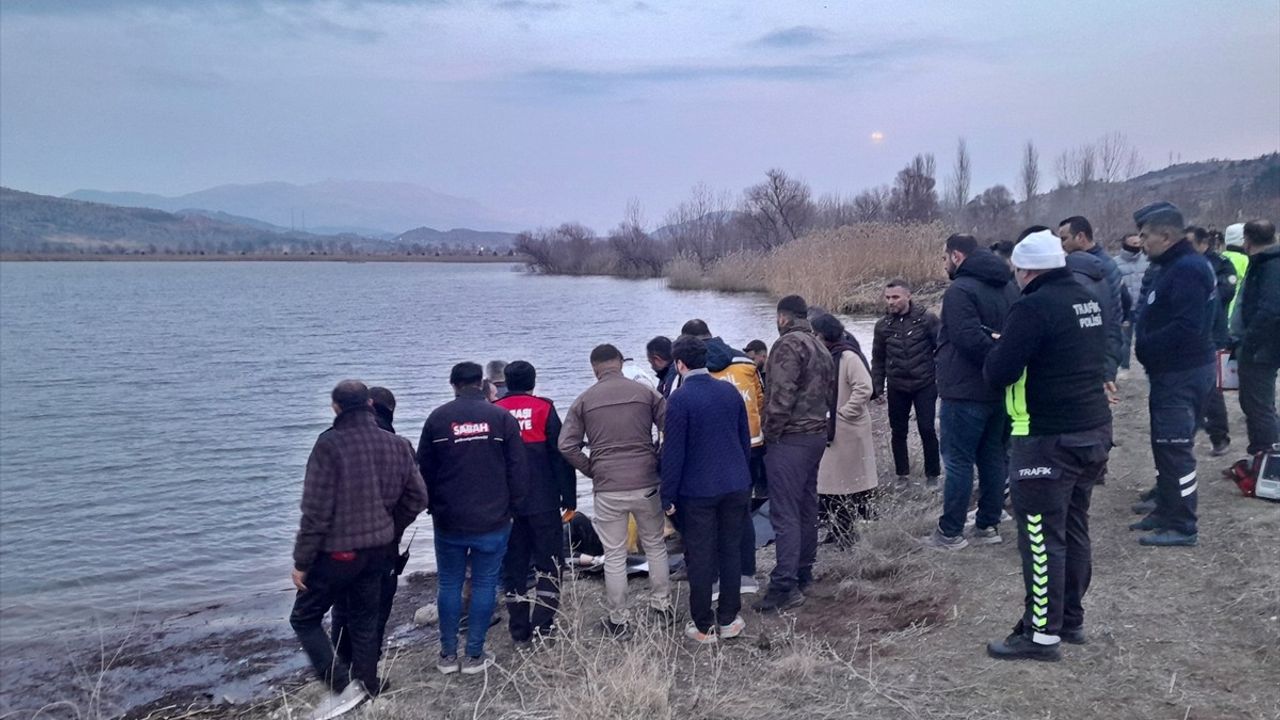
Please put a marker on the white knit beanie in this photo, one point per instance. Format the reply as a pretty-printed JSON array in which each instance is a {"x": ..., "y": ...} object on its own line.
[
  {"x": 1234, "y": 236},
  {"x": 1039, "y": 251}
]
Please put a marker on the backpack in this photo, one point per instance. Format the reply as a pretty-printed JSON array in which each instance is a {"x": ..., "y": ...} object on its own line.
[{"x": 1258, "y": 476}]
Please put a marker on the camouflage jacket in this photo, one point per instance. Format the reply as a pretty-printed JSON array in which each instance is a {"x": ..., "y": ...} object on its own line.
[{"x": 801, "y": 375}]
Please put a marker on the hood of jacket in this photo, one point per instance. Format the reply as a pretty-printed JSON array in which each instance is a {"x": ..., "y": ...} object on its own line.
[
  {"x": 1086, "y": 264},
  {"x": 720, "y": 355},
  {"x": 987, "y": 267}
]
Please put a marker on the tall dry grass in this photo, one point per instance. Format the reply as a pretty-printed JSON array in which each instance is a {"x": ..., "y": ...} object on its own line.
[
  {"x": 739, "y": 271},
  {"x": 846, "y": 268}
]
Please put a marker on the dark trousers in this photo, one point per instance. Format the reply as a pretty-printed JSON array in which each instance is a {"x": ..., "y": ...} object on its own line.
[
  {"x": 1051, "y": 478},
  {"x": 357, "y": 584},
  {"x": 1127, "y": 351},
  {"x": 900, "y": 403},
  {"x": 1215, "y": 417},
  {"x": 973, "y": 434},
  {"x": 712, "y": 530},
  {"x": 759, "y": 489},
  {"x": 338, "y": 631},
  {"x": 1176, "y": 404},
  {"x": 792, "y": 463},
  {"x": 536, "y": 541},
  {"x": 1258, "y": 401}
]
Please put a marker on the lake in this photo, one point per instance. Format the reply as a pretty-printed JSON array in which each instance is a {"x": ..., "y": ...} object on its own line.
[{"x": 155, "y": 418}]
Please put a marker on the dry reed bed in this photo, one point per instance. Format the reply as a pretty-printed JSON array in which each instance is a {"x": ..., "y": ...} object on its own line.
[{"x": 845, "y": 268}]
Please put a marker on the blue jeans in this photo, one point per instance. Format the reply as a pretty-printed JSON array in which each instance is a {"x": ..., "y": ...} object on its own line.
[
  {"x": 973, "y": 433},
  {"x": 452, "y": 552}
]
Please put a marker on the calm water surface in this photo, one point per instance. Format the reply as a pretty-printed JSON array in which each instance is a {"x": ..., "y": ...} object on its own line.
[{"x": 155, "y": 418}]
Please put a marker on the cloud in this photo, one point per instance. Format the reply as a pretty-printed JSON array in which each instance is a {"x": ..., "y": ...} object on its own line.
[
  {"x": 98, "y": 7},
  {"x": 529, "y": 6},
  {"x": 800, "y": 36},
  {"x": 858, "y": 62}
]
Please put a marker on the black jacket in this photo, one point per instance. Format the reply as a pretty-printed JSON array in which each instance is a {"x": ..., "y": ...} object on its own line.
[
  {"x": 1260, "y": 309},
  {"x": 974, "y": 307},
  {"x": 1174, "y": 330},
  {"x": 473, "y": 461},
  {"x": 552, "y": 481},
  {"x": 1225, "y": 274},
  {"x": 902, "y": 349},
  {"x": 1052, "y": 358},
  {"x": 1091, "y": 272}
]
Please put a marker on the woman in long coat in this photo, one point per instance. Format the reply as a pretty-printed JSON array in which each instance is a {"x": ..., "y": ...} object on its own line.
[{"x": 847, "y": 476}]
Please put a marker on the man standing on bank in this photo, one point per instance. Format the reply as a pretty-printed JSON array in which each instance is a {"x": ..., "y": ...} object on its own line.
[
  {"x": 537, "y": 532},
  {"x": 617, "y": 417},
  {"x": 1051, "y": 359},
  {"x": 473, "y": 460},
  {"x": 973, "y": 419},
  {"x": 362, "y": 489},
  {"x": 902, "y": 350},
  {"x": 1174, "y": 342},
  {"x": 706, "y": 449},
  {"x": 801, "y": 375}
]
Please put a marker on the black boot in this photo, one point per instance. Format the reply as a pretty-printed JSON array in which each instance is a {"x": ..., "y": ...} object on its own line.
[
  {"x": 776, "y": 600},
  {"x": 1020, "y": 647},
  {"x": 1073, "y": 636}
]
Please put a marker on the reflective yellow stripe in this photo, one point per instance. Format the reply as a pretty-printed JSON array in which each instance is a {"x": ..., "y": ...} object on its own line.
[{"x": 1015, "y": 401}]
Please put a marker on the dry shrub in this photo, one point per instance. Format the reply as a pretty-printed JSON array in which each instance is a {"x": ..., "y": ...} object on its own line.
[
  {"x": 846, "y": 268},
  {"x": 741, "y": 271},
  {"x": 684, "y": 273}
]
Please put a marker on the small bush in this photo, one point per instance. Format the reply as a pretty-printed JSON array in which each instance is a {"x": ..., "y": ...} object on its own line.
[{"x": 683, "y": 273}]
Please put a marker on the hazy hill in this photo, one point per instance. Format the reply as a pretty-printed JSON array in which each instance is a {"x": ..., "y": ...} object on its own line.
[
  {"x": 32, "y": 223},
  {"x": 457, "y": 237},
  {"x": 370, "y": 208}
]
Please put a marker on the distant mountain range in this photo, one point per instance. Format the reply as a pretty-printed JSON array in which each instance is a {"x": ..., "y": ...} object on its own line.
[
  {"x": 373, "y": 209},
  {"x": 40, "y": 224}
]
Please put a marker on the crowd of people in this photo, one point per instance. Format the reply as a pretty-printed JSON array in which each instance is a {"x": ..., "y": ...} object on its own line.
[{"x": 1026, "y": 356}]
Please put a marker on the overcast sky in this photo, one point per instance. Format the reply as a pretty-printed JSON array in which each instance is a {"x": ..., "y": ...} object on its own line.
[{"x": 550, "y": 110}]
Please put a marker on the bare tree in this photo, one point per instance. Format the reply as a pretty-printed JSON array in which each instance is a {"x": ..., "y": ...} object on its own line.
[
  {"x": 914, "y": 197},
  {"x": 777, "y": 210},
  {"x": 1117, "y": 159},
  {"x": 1030, "y": 173},
  {"x": 1077, "y": 166},
  {"x": 957, "y": 194},
  {"x": 870, "y": 205},
  {"x": 992, "y": 210},
  {"x": 638, "y": 253},
  {"x": 699, "y": 227}
]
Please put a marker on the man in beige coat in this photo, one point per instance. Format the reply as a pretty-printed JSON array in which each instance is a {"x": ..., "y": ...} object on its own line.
[
  {"x": 847, "y": 475},
  {"x": 616, "y": 418}
]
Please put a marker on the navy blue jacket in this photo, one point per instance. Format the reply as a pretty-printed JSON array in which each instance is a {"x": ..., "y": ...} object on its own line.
[
  {"x": 1174, "y": 331},
  {"x": 706, "y": 443}
]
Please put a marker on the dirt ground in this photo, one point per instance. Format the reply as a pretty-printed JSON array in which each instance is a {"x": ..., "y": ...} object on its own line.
[{"x": 892, "y": 630}]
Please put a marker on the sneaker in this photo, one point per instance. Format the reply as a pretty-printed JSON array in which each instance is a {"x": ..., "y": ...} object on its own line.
[
  {"x": 1020, "y": 647},
  {"x": 733, "y": 629},
  {"x": 1144, "y": 507},
  {"x": 931, "y": 482},
  {"x": 692, "y": 632},
  {"x": 984, "y": 536},
  {"x": 1220, "y": 448},
  {"x": 1073, "y": 636},
  {"x": 1169, "y": 538},
  {"x": 616, "y": 630},
  {"x": 938, "y": 541},
  {"x": 475, "y": 665},
  {"x": 749, "y": 585},
  {"x": 904, "y": 481},
  {"x": 779, "y": 600},
  {"x": 340, "y": 703},
  {"x": 1146, "y": 524},
  {"x": 448, "y": 664}
]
